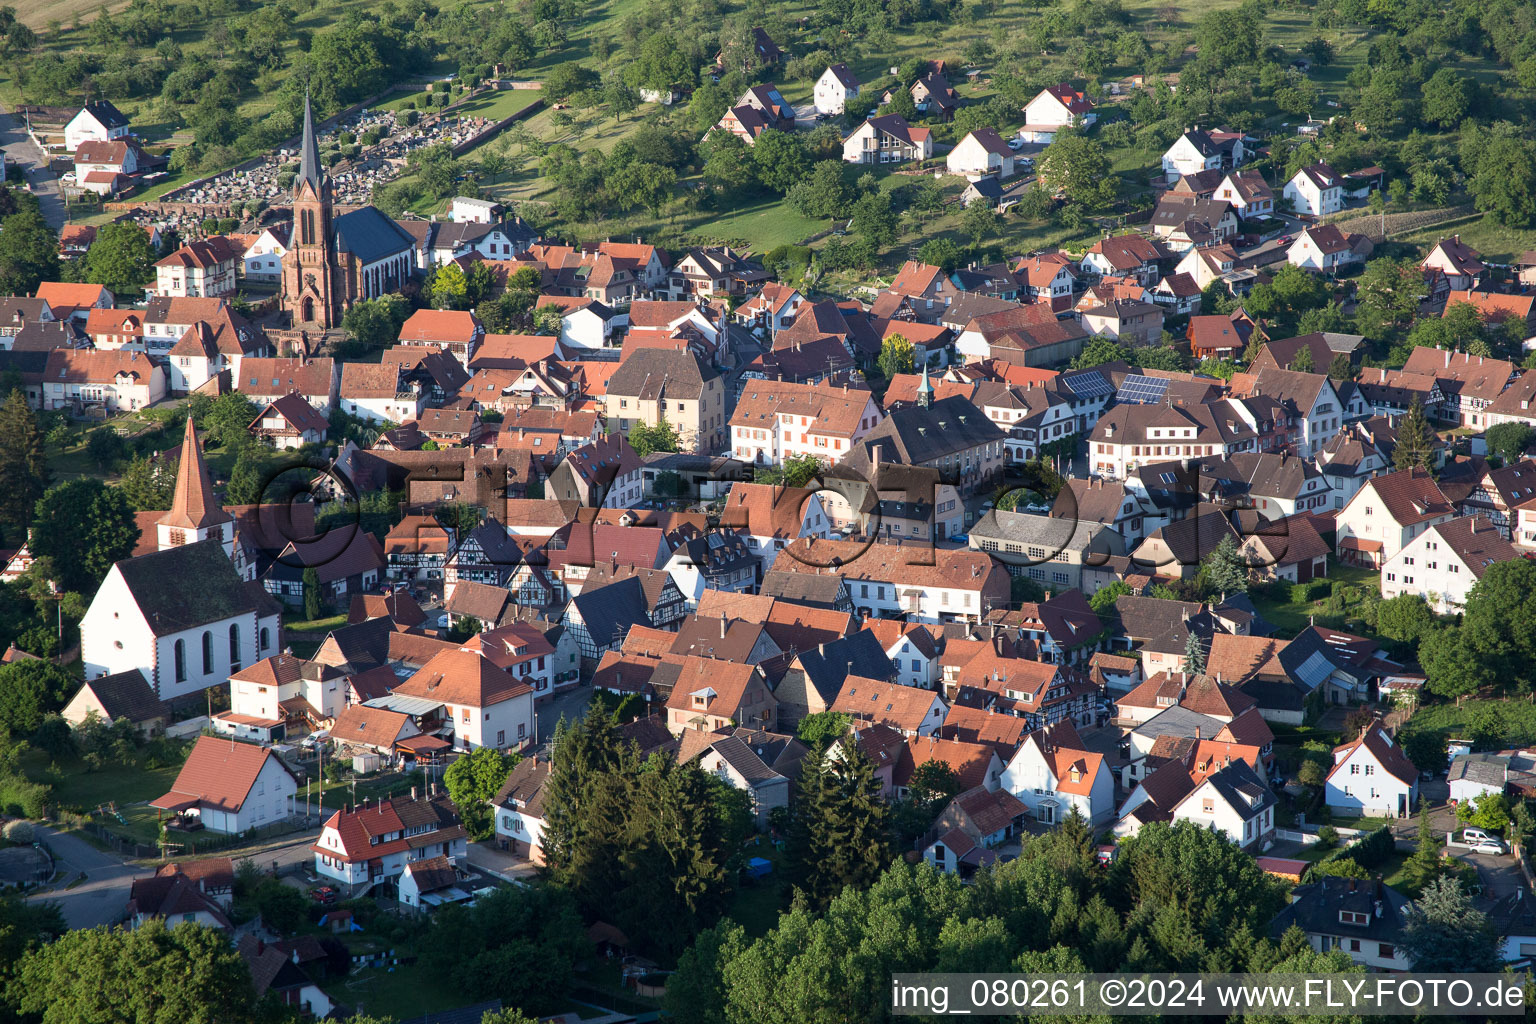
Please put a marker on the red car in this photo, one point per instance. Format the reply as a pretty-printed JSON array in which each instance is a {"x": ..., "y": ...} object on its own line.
[{"x": 324, "y": 894}]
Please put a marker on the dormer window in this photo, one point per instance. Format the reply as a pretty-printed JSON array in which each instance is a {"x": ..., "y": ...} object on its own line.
[{"x": 1353, "y": 917}]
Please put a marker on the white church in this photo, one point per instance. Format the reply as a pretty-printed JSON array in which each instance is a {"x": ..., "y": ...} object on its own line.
[{"x": 183, "y": 615}]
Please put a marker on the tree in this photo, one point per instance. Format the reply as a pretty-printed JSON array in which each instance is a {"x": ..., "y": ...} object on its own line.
[
  {"x": 1077, "y": 165},
  {"x": 1098, "y": 351},
  {"x": 228, "y": 418},
  {"x": 933, "y": 780},
  {"x": 1424, "y": 862},
  {"x": 1443, "y": 931},
  {"x": 23, "y": 462},
  {"x": 152, "y": 973},
  {"x": 1341, "y": 368},
  {"x": 1302, "y": 361},
  {"x": 374, "y": 324},
  {"x": 1426, "y": 749},
  {"x": 1503, "y": 186},
  {"x": 313, "y": 602},
  {"x": 31, "y": 689},
  {"x": 817, "y": 731},
  {"x": 825, "y": 194},
  {"x": 247, "y": 479},
  {"x": 1415, "y": 440},
  {"x": 1103, "y": 599},
  {"x": 874, "y": 220},
  {"x": 1445, "y": 98},
  {"x": 646, "y": 439},
  {"x": 980, "y": 221},
  {"x": 449, "y": 287},
  {"x": 839, "y": 831},
  {"x": 563, "y": 80},
  {"x": 121, "y": 258},
  {"x": 1450, "y": 667},
  {"x": 105, "y": 447},
  {"x": 800, "y": 470},
  {"x": 1194, "y": 654},
  {"x": 940, "y": 252},
  {"x": 1388, "y": 292},
  {"x": 549, "y": 319},
  {"x": 696, "y": 993},
  {"x": 83, "y": 527},
  {"x": 1404, "y": 618},
  {"x": 1509, "y": 440},
  {"x": 472, "y": 781},
  {"x": 895, "y": 356},
  {"x": 29, "y": 252},
  {"x": 780, "y": 161},
  {"x": 1488, "y": 811},
  {"x": 1495, "y": 626},
  {"x": 1225, "y": 568}
]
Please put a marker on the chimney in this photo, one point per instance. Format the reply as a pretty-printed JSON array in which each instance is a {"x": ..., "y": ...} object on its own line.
[{"x": 1197, "y": 732}]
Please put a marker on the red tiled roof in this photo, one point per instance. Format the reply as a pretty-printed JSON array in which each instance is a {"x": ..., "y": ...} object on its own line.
[{"x": 219, "y": 774}]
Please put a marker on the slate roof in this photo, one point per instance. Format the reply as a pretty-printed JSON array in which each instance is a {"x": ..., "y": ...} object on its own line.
[
  {"x": 158, "y": 583},
  {"x": 127, "y": 695},
  {"x": 524, "y": 789},
  {"x": 613, "y": 610},
  {"x": 828, "y": 666},
  {"x": 1318, "y": 908},
  {"x": 369, "y": 235}
]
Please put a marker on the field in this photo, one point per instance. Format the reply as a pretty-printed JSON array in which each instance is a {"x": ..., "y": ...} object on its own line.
[
  {"x": 1291, "y": 619},
  {"x": 123, "y": 784},
  {"x": 1517, "y": 716}
]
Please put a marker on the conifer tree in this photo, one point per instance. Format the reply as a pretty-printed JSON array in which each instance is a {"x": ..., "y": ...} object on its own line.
[
  {"x": 1415, "y": 440},
  {"x": 23, "y": 465}
]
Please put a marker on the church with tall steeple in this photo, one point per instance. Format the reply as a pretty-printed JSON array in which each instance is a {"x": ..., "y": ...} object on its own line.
[
  {"x": 336, "y": 259},
  {"x": 195, "y": 514}
]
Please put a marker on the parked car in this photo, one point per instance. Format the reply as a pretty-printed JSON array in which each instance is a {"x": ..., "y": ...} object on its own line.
[
  {"x": 1492, "y": 847},
  {"x": 325, "y": 895},
  {"x": 1015, "y": 144},
  {"x": 1473, "y": 835}
]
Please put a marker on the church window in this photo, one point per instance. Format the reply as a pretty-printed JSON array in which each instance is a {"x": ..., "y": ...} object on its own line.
[
  {"x": 309, "y": 227},
  {"x": 266, "y": 638},
  {"x": 234, "y": 646},
  {"x": 179, "y": 649},
  {"x": 207, "y": 651}
]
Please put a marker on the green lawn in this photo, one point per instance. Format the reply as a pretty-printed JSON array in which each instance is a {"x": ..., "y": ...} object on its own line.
[
  {"x": 403, "y": 993},
  {"x": 1497, "y": 243},
  {"x": 756, "y": 905},
  {"x": 1290, "y": 618},
  {"x": 1518, "y": 717},
  {"x": 76, "y": 788}
]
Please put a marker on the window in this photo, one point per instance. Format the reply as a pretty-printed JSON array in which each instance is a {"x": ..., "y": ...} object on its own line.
[
  {"x": 266, "y": 639},
  {"x": 1208, "y": 805},
  {"x": 234, "y": 646},
  {"x": 1353, "y": 917},
  {"x": 1385, "y": 951},
  {"x": 501, "y": 737},
  {"x": 179, "y": 650},
  {"x": 207, "y": 651}
]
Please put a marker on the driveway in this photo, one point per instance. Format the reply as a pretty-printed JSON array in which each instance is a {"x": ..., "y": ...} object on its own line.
[
  {"x": 572, "y": 704},
  {"x": 20, "y": 149},
  {"x": 1499, "y": 876}
]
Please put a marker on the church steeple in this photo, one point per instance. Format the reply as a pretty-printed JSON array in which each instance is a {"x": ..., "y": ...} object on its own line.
[
  {"x": 309, "y": 152},
  {"x": 195, "y": 514},
  {"x": 925, "y": 389}
]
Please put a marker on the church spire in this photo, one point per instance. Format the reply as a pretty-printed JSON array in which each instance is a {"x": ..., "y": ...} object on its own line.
[
  {"x": 309, "y": 151},
  {"x": 194, "y": 507},
  {"x": 925, "y": 389}
]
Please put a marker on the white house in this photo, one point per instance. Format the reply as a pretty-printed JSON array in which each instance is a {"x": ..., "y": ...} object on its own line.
[
  {"x": 1198, "y": 150},
  {"x": 519, "y": 811},
  {"x": 465, "y": 210},
  {"x": 231, "y": 787},
  {"x": 1316, "y": 190},
  {"x": 370, "y": 844},
  {"x": 1372, "y": 776},
  {"x": 779, "y": 420},
  {"x": 1053, "y": 775},
  {"x": 486, "y": 705},
  {"x": 374, "y": 392},
  {"x": 1323, "y": 248},
  {"x": 981, "y": 153},
  {"x": 887, "y": 139},
  {"x": 1386, "y": 514},
  {"x": 836, "y": 86},
  {"x": 200, "y": 269},
  {"x": 1442, "y": 564},
  {"x": 1476, "y": 775},
  {"x": 1249, "y": 194},
  {"x": 263, "y": 258},
  {"x": 1054, "y": 108},
  {"x": 1234, "y": 801},
  {"x": 770, "y": 518},
  {"x": 98, "y": 121}
]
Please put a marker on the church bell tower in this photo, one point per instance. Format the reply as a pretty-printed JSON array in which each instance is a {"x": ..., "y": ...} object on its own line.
[{"x": 309, "y": 266}]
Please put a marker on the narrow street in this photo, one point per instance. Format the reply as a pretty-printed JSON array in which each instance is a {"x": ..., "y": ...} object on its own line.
[{"x": 20, "y": 149}]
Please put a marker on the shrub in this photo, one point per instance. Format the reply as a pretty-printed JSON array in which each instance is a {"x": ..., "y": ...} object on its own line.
[
  {"x": 1327, "y": 836},
  {"x": 20, "y": 832}
]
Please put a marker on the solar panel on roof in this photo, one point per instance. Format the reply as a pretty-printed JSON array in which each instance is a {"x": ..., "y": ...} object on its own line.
[
  {"x": 1138, "y": 389},
  {"x": 1088, "y": 385}
]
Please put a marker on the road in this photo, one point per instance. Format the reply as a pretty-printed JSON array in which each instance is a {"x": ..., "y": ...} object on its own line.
[
  {"x": 102, "y": 897},
  {"x": 20, "y": 149}
]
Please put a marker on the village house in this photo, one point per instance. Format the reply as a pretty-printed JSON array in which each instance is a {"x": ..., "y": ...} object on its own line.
[
  {"x": 981, "y": 153},
  {"x": 1053, "y": 774},
  {"x": 1443, "y": 563},
  {"x": 82, "y": 381},
  {"x": 418, "y": 548},
  {"x": 777, "y": 421},
  {"x": 968, "y": 832},
  {"x": 265, "y": 379},
  {"x": 887, "y": 139},
  {"x": 1452, "y": 265},
  {"x": 710, "y": 695},
  {"x": 1316, "y": 191},
  {"x": 289, "y": 422},
  {"x": 1054, "y": 108},
  {"x": 262, "y": 259},
  {"x": 365, "y": 848},
  {"x": 907, "y": 709},
  {"x": 200, "y": 891},
  {"x": 656, "y": 385},
  {"x": 1326, "y": 249},
  {"x": 204, "y": 268},
  {"x": 97, "y": 121},
  {"x": 519, "y": 807},
  {"x": 1386, "y": 514},
  {"x": 1371, "y": 776},
  {"x": 836, "y": 86},
  {"x": 231, "y": 787},
  {"x": 762, "y": 764},
  {"x": 1249, "y": 194},
  {"x": 124, "y": 696},
  {"x": 1364, "y": 918},
  {"x": 1198, "y": 150},
  {"x": 485, "y": 705},
  {"x": 1126, "y": 256}
]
